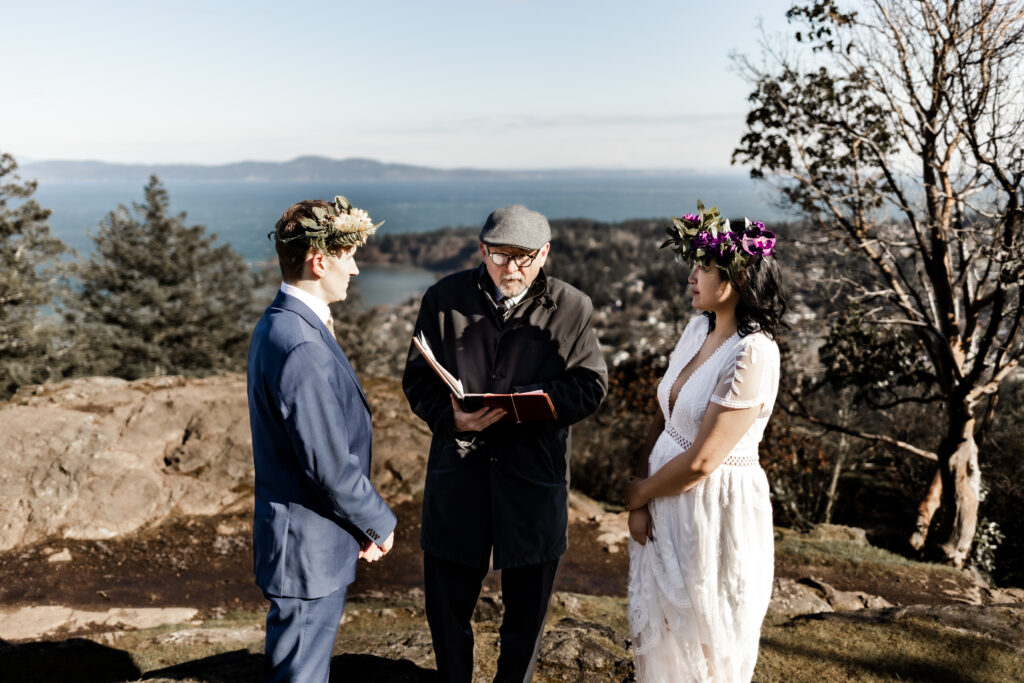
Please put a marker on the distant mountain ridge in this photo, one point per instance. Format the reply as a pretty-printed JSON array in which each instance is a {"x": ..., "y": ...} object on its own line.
[{"x": 300, "y": 169}]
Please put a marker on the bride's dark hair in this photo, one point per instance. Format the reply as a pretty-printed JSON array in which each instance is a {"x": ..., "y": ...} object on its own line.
[{"x": 762, "y": 298}]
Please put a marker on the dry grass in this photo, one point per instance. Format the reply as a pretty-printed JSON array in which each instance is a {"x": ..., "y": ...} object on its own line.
[
  {"x": 792, "y": 650},
  {"x": 831, "y": 551},
  {"x": 386, "y": 639},
  {"x": 915, "y": 649}
]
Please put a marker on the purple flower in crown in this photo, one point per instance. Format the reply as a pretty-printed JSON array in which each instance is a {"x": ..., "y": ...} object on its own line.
[
  {"x": 724, "y": 246},
  {"x": 756, "y": 240},
  {"x": 702, "y": 240},
  {"x": 700, "y": 246},
  {"x": 706, "y": 238}
]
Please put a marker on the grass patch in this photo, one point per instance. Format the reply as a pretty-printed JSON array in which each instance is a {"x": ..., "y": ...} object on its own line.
[
  {"x": 386, "y": 639},
  {"x": 833, "y": 551},
  {"x": 382, "y": 616},
  {"x": 912, "y": 649},
  {"x": 157, "y": 648}
]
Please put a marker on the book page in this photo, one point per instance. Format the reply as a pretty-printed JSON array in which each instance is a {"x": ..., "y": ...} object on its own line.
[{"x": 454, "y": 384}]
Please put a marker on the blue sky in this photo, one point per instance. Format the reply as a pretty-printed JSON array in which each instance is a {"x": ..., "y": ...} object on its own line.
[{"x": 490, "y": 84}]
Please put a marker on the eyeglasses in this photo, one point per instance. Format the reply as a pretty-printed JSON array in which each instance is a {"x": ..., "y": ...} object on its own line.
[{"x": 501, "y": 260}]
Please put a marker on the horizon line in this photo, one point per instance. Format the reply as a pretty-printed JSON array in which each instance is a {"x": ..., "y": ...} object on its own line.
[{"x": 28, "y": 161}]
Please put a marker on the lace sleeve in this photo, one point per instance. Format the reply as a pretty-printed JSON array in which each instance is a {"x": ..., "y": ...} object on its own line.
[{"x": 751, "y": 377}]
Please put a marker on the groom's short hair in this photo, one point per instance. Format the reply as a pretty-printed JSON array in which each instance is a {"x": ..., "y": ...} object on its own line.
[{"x": 292, "y": 255}]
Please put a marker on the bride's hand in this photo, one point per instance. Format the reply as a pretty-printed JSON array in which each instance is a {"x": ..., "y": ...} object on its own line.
[
  {"x": 641, "y": 526},
  {"x": 633, "y": 498}
]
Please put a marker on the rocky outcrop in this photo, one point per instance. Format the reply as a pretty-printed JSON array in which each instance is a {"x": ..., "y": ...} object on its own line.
[
  {"x": 812, "y": 596},
  {"x": 49, "y": 621},
  {"x": 612, "y": 527},
  {"x": 791, "y": 598},
  {"x": 99, "y": 457},
  {"x": 577, "y": 650},
  {"x": 401, "y": 442}
]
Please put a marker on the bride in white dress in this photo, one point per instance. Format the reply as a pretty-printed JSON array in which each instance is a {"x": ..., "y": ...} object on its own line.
[{"x": 702, "y": 552}]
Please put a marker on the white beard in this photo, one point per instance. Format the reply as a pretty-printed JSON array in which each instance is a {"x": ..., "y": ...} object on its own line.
[{"x": 511, "y": 285}]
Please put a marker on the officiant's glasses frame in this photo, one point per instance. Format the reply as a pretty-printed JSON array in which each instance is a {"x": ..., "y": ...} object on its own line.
[{"x": 501, "y": 260}]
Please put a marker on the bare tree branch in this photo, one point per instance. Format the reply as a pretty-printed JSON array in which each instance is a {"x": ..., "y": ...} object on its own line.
[{"x": 868, "y": 436}]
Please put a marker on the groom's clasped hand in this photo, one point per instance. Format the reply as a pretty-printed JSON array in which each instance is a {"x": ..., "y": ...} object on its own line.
[{"x": 371, "y": 552}]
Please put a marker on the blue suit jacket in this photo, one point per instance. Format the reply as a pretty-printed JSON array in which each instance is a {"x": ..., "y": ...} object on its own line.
[{"x": 311, "y": 438}]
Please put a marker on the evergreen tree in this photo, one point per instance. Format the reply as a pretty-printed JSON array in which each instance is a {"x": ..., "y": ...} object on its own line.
[
  {"x": 29, "y": 280},
  {"x": 158, "y": 297}
]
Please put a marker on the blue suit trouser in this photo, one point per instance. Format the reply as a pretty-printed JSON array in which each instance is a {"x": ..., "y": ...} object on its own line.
[{"x": 300, "y": 637}]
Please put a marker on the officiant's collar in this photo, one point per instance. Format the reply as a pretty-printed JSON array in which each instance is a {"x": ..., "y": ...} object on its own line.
[{"x": 538, "y": 289}]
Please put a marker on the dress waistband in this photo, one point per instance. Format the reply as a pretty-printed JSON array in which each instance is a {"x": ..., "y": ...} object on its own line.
[
  {"x": 732, "y": 460},
  {"x": 740, "y": 460},
  {"x": 677, "y": 437}
]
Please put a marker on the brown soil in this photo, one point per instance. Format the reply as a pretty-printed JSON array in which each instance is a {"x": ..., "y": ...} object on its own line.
[
  {"x": 187, "y": 563},
  {"x": 206, "y": 563}
]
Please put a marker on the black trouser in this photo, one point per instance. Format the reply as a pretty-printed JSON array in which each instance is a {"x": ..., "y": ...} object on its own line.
[{"x": 452, "y": 590}]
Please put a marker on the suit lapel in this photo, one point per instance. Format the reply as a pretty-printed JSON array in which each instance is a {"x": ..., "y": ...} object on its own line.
[{"x": 290, "y": 303}]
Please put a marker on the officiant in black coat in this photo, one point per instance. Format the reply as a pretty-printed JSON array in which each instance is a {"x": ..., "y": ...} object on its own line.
[{"x": 495, "y": 487}]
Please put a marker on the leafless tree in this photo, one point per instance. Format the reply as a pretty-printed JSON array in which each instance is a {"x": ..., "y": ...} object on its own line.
[{"x": 896, "y": 128}]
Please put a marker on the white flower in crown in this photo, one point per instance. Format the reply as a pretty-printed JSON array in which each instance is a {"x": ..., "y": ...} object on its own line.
[
  {"x": 339, "y": 225},
  {"x": 354, "y": 224},
  {"x": 356, "y": 219}
]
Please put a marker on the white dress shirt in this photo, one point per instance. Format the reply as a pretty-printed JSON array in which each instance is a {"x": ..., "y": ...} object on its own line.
[
  {"x": 321, "y": 309},
  {"x": 515, "y": 299}
]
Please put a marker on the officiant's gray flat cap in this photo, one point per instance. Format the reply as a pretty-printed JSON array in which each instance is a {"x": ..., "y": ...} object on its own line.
[{"x": 516, "y": 226}]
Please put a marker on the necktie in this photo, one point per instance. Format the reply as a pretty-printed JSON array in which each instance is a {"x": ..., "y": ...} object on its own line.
[
  {"x": 509, "y": 304},
  {"x": 330, "y": 327}
]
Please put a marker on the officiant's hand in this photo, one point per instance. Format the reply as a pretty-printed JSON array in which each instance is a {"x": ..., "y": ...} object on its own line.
[{"x": 478, "y": 420}]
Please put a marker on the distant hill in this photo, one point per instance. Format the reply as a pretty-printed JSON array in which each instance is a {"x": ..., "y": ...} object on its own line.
[{"x": 301, "y": 169}]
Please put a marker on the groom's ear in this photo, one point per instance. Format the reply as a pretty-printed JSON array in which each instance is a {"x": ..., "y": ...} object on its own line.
[{"x": 317, "y": 265}]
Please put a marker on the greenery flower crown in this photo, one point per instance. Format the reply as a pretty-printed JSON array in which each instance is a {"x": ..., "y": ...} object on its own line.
[
  {"x": 705, "y": 237},
  {"x": 338, "y": 226}
]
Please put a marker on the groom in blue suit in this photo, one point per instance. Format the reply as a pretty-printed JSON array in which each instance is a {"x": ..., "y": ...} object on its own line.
[{"x": 316, "y": 511}]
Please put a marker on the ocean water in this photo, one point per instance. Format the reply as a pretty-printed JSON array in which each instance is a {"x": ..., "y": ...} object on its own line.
[{"x": 243, "y": 213}]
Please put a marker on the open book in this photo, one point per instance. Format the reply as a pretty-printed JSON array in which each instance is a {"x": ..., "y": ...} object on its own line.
[{"x": 521, "y": 407}]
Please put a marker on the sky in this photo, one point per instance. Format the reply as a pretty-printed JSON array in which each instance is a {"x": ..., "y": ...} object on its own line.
[{"x": 504, "y": 84}]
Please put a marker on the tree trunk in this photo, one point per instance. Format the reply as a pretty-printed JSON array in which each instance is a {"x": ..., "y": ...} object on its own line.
[
  {"x": 961, "y": 486},
  {"x": 926, "y": 511},
  {"x": 837, "y": 469}
]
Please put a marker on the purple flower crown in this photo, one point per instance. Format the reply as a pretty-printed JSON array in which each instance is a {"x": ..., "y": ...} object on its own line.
[{"x": 705, "y": 237}]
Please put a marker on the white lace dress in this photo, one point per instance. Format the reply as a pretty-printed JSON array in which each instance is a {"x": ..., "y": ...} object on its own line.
[{"x": 699, "y": 591}]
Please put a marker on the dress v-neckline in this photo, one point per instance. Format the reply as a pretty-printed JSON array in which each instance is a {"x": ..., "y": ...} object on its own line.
[{"x": 673, "y": 404}]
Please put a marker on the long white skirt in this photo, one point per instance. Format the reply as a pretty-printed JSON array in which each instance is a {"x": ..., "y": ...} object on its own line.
[{"x": 699, "y": 591}]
